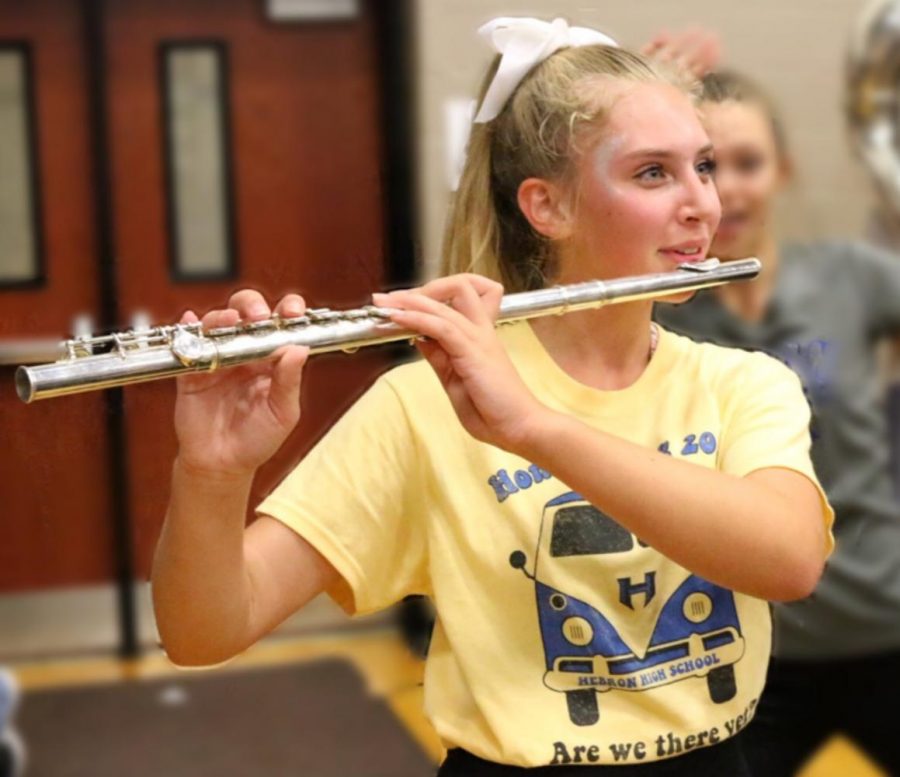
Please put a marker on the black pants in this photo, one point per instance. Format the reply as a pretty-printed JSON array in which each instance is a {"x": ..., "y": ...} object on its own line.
[
  {"x": 722, "y": 760},
  {"x": 805, "y": 702},
  {"x": 8, "y": 762}
]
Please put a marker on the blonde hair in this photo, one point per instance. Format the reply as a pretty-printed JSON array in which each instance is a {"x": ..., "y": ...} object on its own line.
[{"x": 537, "y": 133}]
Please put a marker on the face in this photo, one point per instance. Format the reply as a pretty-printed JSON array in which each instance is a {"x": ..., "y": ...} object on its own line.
[
  {"x": 750, "y": 172},
  {"x": 646, "y": 199}
]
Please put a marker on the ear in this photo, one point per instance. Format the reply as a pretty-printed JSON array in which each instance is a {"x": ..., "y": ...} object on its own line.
[{"x": 546, "y": 207}]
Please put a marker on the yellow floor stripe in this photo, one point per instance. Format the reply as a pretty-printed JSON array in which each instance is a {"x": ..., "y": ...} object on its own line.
[
  {"x": 839, "y": 757},
  {"x": 407, "y": 707},
  {"x": 89, "y": 671}
]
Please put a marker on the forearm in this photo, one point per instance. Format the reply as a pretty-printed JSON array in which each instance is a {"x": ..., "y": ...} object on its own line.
[
  {"x": 201, "y": 590},
  {"x": 733, "y": 531}
]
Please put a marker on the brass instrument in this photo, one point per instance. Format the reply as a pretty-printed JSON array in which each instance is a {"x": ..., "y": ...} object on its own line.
[
  {"x": 141, "y": 355},
  {"x": 873, "y": 100}
]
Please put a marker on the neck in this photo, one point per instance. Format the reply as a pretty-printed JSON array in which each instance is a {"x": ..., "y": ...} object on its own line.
[
  {"x": 607, "y": 348},
  {"x": 750, "y": 301}
]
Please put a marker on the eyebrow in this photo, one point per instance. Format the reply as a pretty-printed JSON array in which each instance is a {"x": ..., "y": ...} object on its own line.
[{"x": 664, "y": 153}]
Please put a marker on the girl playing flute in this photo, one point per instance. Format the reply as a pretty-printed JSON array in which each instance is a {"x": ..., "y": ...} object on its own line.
[{"x": 599, "y": 509}]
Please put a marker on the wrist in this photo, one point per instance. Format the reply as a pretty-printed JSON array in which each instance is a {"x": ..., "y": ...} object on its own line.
[
  {"x": 184, "y": 469},
  {"x": 538, "y": 435}
]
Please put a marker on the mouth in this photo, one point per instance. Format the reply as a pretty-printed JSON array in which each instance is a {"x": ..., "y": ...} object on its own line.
[{"x": 685, "y": 252}]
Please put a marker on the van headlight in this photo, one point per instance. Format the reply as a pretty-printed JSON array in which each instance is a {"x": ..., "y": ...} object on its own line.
[
  {"x": 578, "y": 631},
  {"x": 697, "y": 607}
]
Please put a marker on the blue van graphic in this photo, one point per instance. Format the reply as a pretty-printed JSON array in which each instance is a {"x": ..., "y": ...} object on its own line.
[{"x": 695, "y": 634}]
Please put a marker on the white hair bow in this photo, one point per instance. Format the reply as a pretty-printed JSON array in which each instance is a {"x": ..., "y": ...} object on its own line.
[{"x": 522, "y": 42}]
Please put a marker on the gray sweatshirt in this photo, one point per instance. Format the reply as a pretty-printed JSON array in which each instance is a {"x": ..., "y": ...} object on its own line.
[{"x": 832, "y": 303}]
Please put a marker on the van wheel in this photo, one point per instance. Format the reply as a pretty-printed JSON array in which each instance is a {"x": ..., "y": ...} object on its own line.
[
  {"x": 722, "y": 685},
  {"x": 583, "y": 708}
]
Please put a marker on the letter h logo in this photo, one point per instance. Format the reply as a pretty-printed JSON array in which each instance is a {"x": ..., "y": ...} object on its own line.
[{"x": 627, "y": 589}]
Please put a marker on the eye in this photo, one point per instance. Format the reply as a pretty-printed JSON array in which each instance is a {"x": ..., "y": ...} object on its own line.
[
  {"x": 707, "y": 167},
  {"x": 749, "y": 163},
  {"x": 651, "y": 174}
]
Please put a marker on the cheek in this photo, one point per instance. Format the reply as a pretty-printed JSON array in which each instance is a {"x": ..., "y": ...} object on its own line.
[
  {"x": 624, "y": 211},
  {"x": 751, "y": 190}
]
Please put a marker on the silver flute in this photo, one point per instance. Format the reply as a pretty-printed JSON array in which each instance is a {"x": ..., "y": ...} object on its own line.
[{"x": 141, "y": 355}]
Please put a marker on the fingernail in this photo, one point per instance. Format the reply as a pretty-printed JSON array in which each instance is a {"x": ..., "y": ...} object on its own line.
[{"x": 258, "y": 310}]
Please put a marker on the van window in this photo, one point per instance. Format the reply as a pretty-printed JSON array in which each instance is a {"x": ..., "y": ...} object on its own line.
[{"x": 582, "y": 530}]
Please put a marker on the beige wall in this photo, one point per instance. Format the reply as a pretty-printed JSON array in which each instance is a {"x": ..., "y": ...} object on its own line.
[{"x": 795, "y": 48}]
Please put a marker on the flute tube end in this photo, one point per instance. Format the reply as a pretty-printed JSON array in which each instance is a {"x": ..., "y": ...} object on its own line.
[{"x": 24, "y": 385}]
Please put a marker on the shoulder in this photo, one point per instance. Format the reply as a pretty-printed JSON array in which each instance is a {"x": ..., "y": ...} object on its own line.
[
  {"x": 727, "y": 369},
  {"x": 752, "y": 390},
  {"x": 839, "y": 255}
]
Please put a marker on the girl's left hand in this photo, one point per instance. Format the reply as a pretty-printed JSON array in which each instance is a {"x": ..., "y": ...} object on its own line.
[{"x": 457, "y": 315}]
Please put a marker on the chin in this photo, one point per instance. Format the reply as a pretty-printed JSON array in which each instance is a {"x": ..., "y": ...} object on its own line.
[{"x": 678, "y": 298}]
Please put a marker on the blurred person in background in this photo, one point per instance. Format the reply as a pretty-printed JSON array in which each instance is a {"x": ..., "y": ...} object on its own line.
[{"x": 822, "y": 308}]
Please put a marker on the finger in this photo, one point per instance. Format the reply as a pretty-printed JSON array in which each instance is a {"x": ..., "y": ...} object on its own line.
[
  {"x": 450, "y": 335},
  {"x": 699, "y": 50},
  {"x": 697, "y": 65},
  {"x": 188, "y": 317},
  {"x": 488, "y": 296},
  {"x": 389, "y": 299},
  {"x": 475, "y": 296},
  {"x": 417, "y": 300},
  {"x": 491, "y": 293},
  {"x": 466, "y": 300},
  {"x": 250, "y": 305},
  {"x": 657, "y": 42},
  {"x": 480, "y": 283},
  {"x": 439, "y": 287},
  {"x": 689, "y": 47},
  {"x": 290, "y": 306},
  {"x": 284, "y": 393},
  {"x": 710, "y": 55},
  {"x": 469, "y": 303},
  {"x": 215, "y": 319},
  {"x": 437, "y": 357},
  {"x": 677, "y": 47}
]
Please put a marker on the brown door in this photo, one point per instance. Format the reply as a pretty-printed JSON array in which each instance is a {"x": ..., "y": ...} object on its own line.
[
  {"x": 297, "y": 190},
  {"x": 54, "y": 500},
  {"x": 292, "y": 189}
]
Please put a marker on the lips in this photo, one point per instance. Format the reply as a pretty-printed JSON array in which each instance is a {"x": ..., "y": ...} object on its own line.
[{"x": 692, "y": 251}]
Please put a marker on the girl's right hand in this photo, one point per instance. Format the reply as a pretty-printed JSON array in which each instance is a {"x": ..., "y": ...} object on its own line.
[
  {"x": 231, "y": 421},
  {"x": 695, "y": 49},
  {"x": 457, "y": 315}
]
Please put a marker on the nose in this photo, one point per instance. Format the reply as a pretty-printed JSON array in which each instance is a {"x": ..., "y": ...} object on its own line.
[{"x": 700, "y": 201}]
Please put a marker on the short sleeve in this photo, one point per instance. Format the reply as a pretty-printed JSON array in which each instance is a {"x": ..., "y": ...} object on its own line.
[
  {"x": 879, "y": 280},
  {"x": 356, "y": 498},
  {"x": 766, "y": 424}
]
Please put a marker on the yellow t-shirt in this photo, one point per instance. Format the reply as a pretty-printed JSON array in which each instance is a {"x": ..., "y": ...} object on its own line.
[{"x": 561, "y": 638}]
